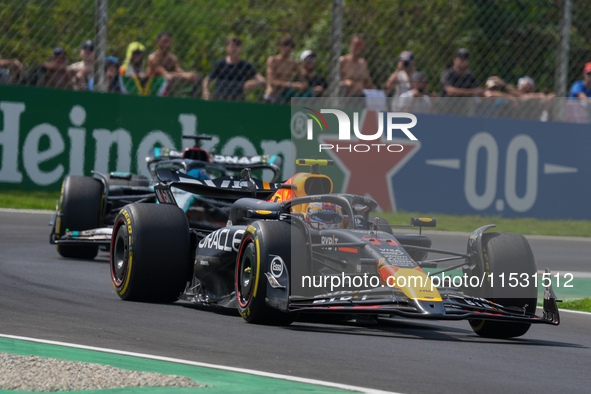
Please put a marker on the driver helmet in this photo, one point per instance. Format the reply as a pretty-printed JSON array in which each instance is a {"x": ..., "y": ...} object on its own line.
[
  {"x": 324, "y": 215},
  {"x": 198, "y": 173}
]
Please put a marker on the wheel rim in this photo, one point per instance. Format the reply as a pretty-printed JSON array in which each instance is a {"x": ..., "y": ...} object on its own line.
[
  {"x": 246, "y": 273},
  {"x": 120, "y": 255}
]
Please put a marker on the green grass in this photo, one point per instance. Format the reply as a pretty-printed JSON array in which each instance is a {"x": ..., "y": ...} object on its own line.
[
  {"x": 20, "y": 199},
  {"x": 582, "y": 305},
  {"x": 527, "y": 226}
]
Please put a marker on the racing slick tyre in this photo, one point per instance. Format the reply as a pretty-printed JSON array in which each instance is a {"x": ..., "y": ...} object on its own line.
[
  {"x": 150, "y": 252},
  {"x": 81, "y": 204},
  {"x": 253, "y": 261},
  {"x": 504, "y": 254}
]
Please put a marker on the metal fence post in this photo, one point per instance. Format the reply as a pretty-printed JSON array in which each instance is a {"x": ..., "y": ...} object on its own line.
[
  {"x": 100, "y": 45},
  {"x": 336, "y": 40},
  {"x": 561, "y": 85}
]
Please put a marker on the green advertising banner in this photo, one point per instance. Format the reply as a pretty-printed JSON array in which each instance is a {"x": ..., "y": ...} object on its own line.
[{"x": 46, "y": 134}]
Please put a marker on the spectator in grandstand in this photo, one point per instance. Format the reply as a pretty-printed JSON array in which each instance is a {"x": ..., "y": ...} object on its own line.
[
  {"x": 112, "y": 81},
  {"x": 84, "y": 69},
  {"x": 401, "y": 80},
  {"x": 281, "y": 69},
  {"x": 133, "y": 77},
  {"x": 582, "y": 89},
  {"x": 354, "y": 71},
  {"x": 232, "y": 75},
  {"x": 458, "y": 81},
  {"x": 53, "y": 73},
  {"x": 415, "y": 100},
  {"x": 314, "y": 83},
  {"x": 532, "y": 104},
  {"x": 133, "y": 65},
  {"x": 311, "y": 84},
  {"x": 526, "y": 87},
  {"x": 162, "y": 63},
  {"x": 496, "y": 87},
  {"x": 11, "y": 71}
]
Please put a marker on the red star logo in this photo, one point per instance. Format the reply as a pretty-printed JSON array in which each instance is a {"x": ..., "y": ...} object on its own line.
[{"x": 370, "y": 173}]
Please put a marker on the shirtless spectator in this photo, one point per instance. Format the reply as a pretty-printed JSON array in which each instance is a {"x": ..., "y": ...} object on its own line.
[
  {"x": 232, "y": 75},
  {"x": 11, "y": 71},
  {"x": 53, "y": 73},
  {"x": 84, "y": 69},
  {"x": 458, "y": 81},
  {"x": 281, "y": 69},
  {"x": 162, "y": 63},
  {"x": 354, "y": 70}
]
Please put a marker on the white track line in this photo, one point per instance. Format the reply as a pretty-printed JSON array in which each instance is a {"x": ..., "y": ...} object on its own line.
[
  {"x": 204, "y": 365},
  {"x": 13, "y": 210}
]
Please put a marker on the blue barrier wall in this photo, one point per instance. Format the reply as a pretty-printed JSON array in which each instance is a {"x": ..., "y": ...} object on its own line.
[{"x": 497, "y": 166}]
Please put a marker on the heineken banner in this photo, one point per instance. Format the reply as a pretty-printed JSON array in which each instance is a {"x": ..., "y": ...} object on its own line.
[{"x": 47, "y": 134}]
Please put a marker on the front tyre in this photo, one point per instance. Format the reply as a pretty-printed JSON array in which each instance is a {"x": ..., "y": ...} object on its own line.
[
  {"x": 150, "y": 252},
  {"x": 258, "y": 248},
  {"x": 81, "y": 203},
  {"x": 507, "y": 253}
]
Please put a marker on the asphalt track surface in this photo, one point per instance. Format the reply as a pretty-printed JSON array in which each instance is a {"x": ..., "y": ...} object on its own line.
[{"x": 45, "y": 296}]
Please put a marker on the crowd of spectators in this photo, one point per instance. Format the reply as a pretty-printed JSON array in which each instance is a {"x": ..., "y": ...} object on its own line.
[{"x": 286, "y": 76}]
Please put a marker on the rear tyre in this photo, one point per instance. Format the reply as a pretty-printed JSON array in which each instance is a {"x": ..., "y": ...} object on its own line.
[
  {"x": 506, "y": 253},
  {"x": 150, "y": 252},
  {"x": 81, "y": 204},
  {"x": 253, "y": 261}
]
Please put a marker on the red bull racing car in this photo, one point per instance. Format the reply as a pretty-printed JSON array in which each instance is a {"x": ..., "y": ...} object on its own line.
[{"x": 296, "y": 247}]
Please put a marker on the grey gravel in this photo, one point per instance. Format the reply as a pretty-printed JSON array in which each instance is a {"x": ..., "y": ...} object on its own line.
[{"x": 32, "y": 373}]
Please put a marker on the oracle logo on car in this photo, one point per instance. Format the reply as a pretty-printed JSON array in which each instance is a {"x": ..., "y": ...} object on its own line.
[{"x": 345, "y": 130}]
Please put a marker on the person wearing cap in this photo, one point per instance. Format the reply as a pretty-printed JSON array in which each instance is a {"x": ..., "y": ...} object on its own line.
[
  {"x": 54, "y": 73},
  {"x": 307, "y": 83},
  {"x": 415, "y": 99},
  {"x": 532, "y": 104},
  {"x": 315, "y": 84},
  {"x": 582, "y": 89},
  {"x": 458, "y": 81},
  {"x": 112, "y": 83},
  {"x": 232, "y": 75},
  {"x": 84, "y": 69},
  {"x": 401, "y": 79},
  {"x": 353, "y": 69},
  {"x": 496, "y": 87},
  {"x": 281, "y": 68}
]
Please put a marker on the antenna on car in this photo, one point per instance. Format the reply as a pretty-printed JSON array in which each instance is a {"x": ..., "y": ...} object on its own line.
[
  {"x": 197, "y": 139},
  {"x": 314, "y": 164}
]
